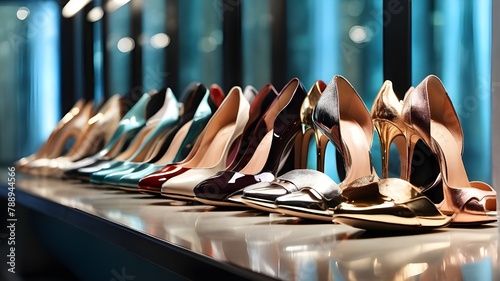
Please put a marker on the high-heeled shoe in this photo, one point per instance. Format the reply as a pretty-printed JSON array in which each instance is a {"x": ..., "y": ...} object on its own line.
[
  {"x": 263, "y": 194},
  {"x": 128, "y": 127},
  {"x": 226, "y": 125},
  {"x": 159, "y": 128},
  {"x": 155, "y": 145},
  {"x": 180, "y": 147},
  {"x": 387, "y": 119},
  {"x": 165, "y": 124},
  {"x": 340, "y": 115},
  {"x": 258, "y": 107},
  {"x": 73, "y": 130},
  {"x": 47, "y": 150},
  {"x": 430, "y": 116},
  {"x": 390, "y": 126},
  {"x": 98, "y": 132},
  {"x": 387, "y": 204},
  {"x": 269, "y": 147},
  {"x": 309, "y": 130},
  {"x": 250, "y": 93}
]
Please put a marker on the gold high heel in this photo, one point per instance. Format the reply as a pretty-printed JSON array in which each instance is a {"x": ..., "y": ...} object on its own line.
[
  {"x": 308, "y": 128},
  {"x": 431, "y": 117},
  {"x": 391, "y": 128},
  {"x": 386, "y": 116}
]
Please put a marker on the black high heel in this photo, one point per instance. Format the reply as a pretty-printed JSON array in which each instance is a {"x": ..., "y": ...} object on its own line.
[
  {"x": 263, "y": 194},
  {"x": 272, "y": 141}
]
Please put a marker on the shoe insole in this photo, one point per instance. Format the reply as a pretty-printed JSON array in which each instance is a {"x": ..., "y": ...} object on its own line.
[
  {"x": 452, "y": 166},
  {"x": 211, "y": 151},
  {"x": 120, "y": 146},
  {"x": 175, "y": 144},
  {"x": 358, "y": 149},
  {"x": 136, "y": 143},
  {"x": 260, "y": 155}
]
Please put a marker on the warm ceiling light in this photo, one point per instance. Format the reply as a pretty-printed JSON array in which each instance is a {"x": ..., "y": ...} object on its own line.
[
  {"x": 160, "y": 40},
  {"x": 22, "y": 13},
  {"x": 73, "y": 7},
  {"x": 125, "y": 44},
  {"x": 95, "y": 14},
  {"x": 112, "y": 5}
]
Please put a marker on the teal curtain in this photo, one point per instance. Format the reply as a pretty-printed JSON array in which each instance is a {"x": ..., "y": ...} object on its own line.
[
  {"x": 154, "y": 43},
  {"x": 256, "y": 42},
  {"x": 452, "y": 39},
  {"x": 326, "y": 38},
  {"x": 29, "y": 77},
  {"x": 119, "y": 68},
  {"x": 200, "y": 42}
]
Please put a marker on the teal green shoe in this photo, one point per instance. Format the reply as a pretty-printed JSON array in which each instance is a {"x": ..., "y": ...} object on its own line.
[
  {"x": 156, "y": 130},
  {"x": 129, "y": 125},
  {"x": 173, "y": 117},
  {"x": 203, "y": 113}
]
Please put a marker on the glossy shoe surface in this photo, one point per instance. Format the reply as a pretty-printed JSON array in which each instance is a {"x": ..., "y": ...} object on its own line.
[
  {"x": 149, "y": 140},
  {"x": 391, "y": 127},
  {"x": 165, "y": 116},
  {"x": 128, "y": 126},
  {"x": 221, "y": 132},
  {"x": 388, "y": 204},
  {"x": 131, "y": 180},
  {"x": 258, "y": 107},
  {"x": 137, "y": 131},
  {"x": 99, "y": 132},
  {"x": 340, "y": 115},
  {"x": 271, "y": 142},
  {"x": 181, "y": 145},
  {"x": 264, "y": 194},
  {"x": 431, "y": 117}
]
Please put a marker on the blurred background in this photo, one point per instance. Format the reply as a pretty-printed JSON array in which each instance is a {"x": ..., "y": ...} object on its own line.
[{"x": 51, "y": 57}]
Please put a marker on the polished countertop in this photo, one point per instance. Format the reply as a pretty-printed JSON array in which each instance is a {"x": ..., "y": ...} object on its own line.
[{"x": 273, "y": 245}]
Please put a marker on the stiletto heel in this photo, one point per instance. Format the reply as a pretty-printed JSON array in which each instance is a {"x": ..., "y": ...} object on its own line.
[
  {"x": 388, "y": 132},
  {"x": 388, "y": 122},
  {"x": 321, "y": 143},
  {"x": 98, "y": 132},
  {"x": 308, "y": 129},
  {"x": 391, "y": 128}
]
